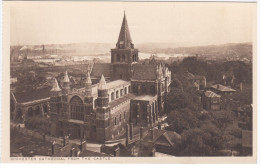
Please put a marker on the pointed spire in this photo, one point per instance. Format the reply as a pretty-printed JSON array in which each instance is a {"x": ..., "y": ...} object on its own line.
[
  {"x": 66, "y": 77},
  {"x": 124, "y": 39},
  {"x": 102, "y": 83},
  {"x": 55, "y": 86},
  {"x": 88, "y": 79}
]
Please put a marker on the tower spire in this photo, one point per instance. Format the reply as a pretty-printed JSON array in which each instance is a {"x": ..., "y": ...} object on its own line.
[
  {"x": 102, "y": 83},
  {"x": 55, "y": 86},
  {"x": 124, "y": 39}
]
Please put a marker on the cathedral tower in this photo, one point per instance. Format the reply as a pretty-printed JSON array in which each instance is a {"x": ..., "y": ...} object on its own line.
[
  {"x": 66, "y": 83},
  {"x": 124, "y": 55},
  {"x": 102, "y": 111}
]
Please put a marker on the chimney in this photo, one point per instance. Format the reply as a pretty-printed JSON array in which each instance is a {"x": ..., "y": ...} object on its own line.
[
  {"x": 131, "y": 130},
  {"x": 141, "y": 132},
  {"x": 151, "y": 131}
]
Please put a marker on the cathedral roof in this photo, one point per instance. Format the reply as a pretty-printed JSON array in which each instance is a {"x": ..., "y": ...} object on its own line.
[
  {"x": 101, "y": 68},
  {"x": 102, "y": 83},
  {"x": 55, "y": 86},
  {"x": 124, "y": 39},
  {"x": 24, "y": 97},
  {"x": 144, "y": 72}
]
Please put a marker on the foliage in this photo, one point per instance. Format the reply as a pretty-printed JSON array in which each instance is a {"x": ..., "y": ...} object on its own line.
[
  {"x": 40, "y": 124},
  {"x": 27, "y": 81}
]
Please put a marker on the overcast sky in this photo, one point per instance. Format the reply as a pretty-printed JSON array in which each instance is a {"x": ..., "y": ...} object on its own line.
[{"x": 163, "y": 22}]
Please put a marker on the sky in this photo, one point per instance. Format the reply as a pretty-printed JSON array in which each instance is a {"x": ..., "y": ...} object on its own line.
[{"x": 36, "y": 23}]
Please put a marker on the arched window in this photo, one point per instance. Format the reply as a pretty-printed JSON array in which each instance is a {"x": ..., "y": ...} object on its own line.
[
  {"x": 76, "y": 108},
  {"x": 45, "y": 108},
  {"x": 30, "y": 112},
  {"x": 121, "y": 92},
  {"x": 143, "y": 89},
  {"x": 117, "y": 94},
  {"x": 112, "y": 96},
  {"x": 37, "y": 110},
  {"x": 125, "y": 90},
  {"x": 152, "y": 90},
  {"x": 118, "y": 58}
]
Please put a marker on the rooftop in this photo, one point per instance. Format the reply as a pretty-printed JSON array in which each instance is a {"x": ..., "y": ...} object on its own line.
[
  {"x": 99, "y": 69},
  {"x": 222, "y": 88},
  {"x": 145, "y": 72},
  {"x": 146, "y": 97},
  {"x": 121, "y": 100},
  {"x": 211, "y": 94},
  {"x": 22, "y": 97}
]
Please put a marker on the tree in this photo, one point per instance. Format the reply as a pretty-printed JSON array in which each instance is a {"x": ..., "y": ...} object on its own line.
[{"x": 41, "y": 125}]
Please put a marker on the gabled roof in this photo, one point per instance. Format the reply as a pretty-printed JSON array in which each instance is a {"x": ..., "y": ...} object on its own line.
[
  {"x": 99, "y": 69},
  {"x": 222, "y": 88},
  {"x": 23, "y": 97},
  {"x": 162, "y": 135},
  {"x": 144, "y": 72},
  {"x": 211, "y": 94},
  {"x": 124, "y": 39}
]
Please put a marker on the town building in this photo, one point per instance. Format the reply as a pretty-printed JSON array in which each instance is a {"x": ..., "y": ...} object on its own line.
[
  {"x": 211, "y": 100},
  {"x": 222, "y": 90}
]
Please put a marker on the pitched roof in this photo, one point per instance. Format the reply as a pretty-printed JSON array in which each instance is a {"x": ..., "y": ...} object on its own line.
[
  {"x": 170, "y": 136},
  {"x": 211, "y": 94},
  {"x": 23, "y": 97},
  {"x": 222, "y": 88},
  {"x": 124, "y": 39},
  {"x": 144, "y": 72},
  {"x": 121, "y": 100},
  {"x": 99, "y": 69}
]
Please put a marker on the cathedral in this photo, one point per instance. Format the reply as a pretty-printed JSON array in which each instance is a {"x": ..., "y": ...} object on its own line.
[{"x": 135, "y": 94}]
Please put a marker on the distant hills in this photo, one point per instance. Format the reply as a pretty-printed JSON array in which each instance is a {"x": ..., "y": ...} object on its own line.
[{"x": 240, "y": 50}]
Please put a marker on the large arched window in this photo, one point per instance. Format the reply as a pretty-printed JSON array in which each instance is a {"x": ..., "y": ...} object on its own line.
[
  {"x": 76, "y": 108},
  {"x": 125, "y": 90}
]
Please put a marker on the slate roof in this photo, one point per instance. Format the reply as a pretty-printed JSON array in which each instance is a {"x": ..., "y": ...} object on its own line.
[
  {"x": 222, "y": 88},
  {"x": 99, "y": 69},
  {"x": 144, "y": 72},
  {"x": 121, "y": 100},
  {"x": 211, "y": 94},
  {"x": 23, "y": 97},
  {"x": 171, "y": 137}
]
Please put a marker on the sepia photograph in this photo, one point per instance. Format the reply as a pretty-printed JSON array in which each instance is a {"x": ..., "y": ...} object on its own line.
[{"x": 111, "y": 80}]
